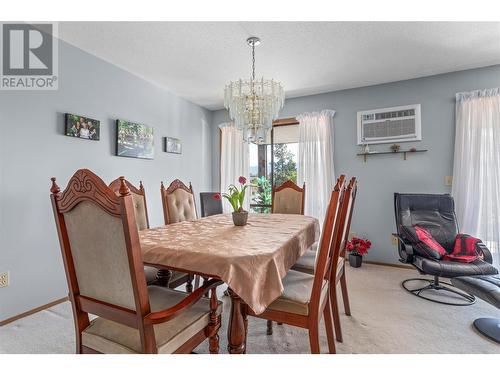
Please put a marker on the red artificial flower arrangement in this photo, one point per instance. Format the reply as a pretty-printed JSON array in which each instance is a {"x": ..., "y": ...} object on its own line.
[{"x": 358, "y": 246}]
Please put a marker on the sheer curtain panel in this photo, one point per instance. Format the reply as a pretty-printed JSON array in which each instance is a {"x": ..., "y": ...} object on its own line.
[
  {"x": 476, "y": 170},
  {"x": 234, "y": 160},
  {"x": 315, "y": 160}
]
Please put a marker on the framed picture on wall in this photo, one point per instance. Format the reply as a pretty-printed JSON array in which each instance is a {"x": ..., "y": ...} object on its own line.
[
  {"x": 82, "y": 127},
  {"x": 134, "y": 140},
  {"x": 172, "y": 145}
]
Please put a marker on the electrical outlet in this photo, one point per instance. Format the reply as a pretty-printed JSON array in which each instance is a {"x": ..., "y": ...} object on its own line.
[
  {"x": 4, "y": 279},
  {"x": 394, "y": 241},
  {"x": 448, "y": 180}
]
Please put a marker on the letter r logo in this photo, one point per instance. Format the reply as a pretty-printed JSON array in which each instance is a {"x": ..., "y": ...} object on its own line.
[{"x": 27, "y": 49}]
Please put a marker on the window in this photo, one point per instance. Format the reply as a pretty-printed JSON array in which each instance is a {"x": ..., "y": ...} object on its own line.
[{"x": 271, "y": 164}]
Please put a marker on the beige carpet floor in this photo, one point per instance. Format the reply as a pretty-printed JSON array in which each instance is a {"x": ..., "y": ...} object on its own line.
[{"x": 385, "y": 319}]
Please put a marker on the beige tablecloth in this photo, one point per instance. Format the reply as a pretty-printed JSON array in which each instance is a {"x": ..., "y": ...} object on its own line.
[{"x": 252, "y": 259}]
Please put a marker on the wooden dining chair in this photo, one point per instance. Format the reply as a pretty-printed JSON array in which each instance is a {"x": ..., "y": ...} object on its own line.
[
  {"x": 162, "y": 277},
  {"x": 306, "y": 263},
  {"x": 179, "y": 205},
  {"x": 178, "y": 202},
  {"x": 288, "y": 198},
  {"x": 305, "y": 298},
  {"x": 104, "y": 269}
]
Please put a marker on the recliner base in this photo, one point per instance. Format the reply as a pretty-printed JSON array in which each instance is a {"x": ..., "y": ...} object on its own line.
[
  {"x": 489, "y": 327},
  {"x": 435, "y": 284}
]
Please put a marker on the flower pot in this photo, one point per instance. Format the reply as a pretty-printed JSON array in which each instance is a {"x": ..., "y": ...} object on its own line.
[
  {"x": 355, "y": 260},
  {"x": 240, "y": 218}
]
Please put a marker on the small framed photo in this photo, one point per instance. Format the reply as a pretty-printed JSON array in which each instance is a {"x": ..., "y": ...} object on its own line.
[
  {"x": 82, "y": 127},
  {"x": 172, "y": 145},
  {"x": 134, "y": 140}
]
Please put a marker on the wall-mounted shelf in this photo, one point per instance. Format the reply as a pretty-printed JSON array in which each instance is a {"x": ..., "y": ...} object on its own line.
[{"x": 404, "y": 152}]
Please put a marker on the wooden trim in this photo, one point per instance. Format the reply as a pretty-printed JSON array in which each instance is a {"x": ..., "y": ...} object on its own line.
[
  {"x": 285, "y": 121},
  {"x": 33, "y": 311},
  {"x": 408, "y": 267}
]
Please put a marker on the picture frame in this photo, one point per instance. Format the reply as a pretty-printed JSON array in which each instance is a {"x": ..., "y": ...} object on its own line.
[
  {"x": 82, "y": 127},
  {"x": 134, "y": 140},
  {"x": 172, "y": 145}
]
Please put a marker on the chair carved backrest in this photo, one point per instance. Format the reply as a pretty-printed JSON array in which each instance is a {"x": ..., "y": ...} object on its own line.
[
  {"x": 139, "y": 198},
  {"x": 340, "y": 241},
  {"x": 101, "y": 253},
  {"x": 328, "y": 234},
  {"x": 288, "y": 198},
  {"x": 210, "y": 205},
  {"x": 178, "y": 202}
]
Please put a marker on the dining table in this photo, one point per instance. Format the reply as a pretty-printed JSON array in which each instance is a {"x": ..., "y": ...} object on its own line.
[{"x": 251, "y": 259}]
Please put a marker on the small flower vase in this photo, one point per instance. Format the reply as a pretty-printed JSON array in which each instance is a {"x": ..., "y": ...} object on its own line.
[
  {"x": 355, "y": 260},
  {"x": 240, "y": 218}
]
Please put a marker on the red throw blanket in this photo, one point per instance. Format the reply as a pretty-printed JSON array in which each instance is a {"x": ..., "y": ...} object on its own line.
[{"x": 465, "y": 249}]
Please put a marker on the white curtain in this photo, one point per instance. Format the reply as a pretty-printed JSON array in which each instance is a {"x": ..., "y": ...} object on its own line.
[
  {"x": 315, "y": 160},
  {"x": 234, "y": 160},
  {"x": 476, "y": 170}
]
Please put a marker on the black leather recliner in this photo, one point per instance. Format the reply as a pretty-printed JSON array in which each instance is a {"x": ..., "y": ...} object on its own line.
[{"x": 436, "y": 214}]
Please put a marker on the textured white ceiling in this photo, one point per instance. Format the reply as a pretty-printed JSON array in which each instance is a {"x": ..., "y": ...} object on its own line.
[{"x": 196, "y": 59}]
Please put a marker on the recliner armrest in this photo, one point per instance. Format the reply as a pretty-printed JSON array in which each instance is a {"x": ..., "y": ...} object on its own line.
[
  {"x": 405, "y": 249},
  {"x": 487, "y": 257}
]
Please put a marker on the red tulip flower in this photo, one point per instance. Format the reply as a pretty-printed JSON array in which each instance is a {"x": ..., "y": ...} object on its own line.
[
  {"x": 217, "y": 196},
  {"x": 242, "y": 180}
]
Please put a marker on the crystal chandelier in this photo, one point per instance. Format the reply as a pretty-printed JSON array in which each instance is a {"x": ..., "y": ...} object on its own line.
[{"x": 254, "y": 104}]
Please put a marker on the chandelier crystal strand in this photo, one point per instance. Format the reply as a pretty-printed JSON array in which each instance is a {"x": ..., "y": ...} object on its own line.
[{"x": 254, "y": 104}]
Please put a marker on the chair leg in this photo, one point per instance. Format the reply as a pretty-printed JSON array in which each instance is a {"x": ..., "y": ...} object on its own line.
[
  {"x": 213, "y": 343},
  {"x": 345, "y": 296},
  {"x": 189, "y": 284},
  {"x": 335, "y": 311},
  {"x": 327, "y": 315},
  {"x": 269, "y": 327},
  {"x": 314, "y": 338},
  {"x": 196, "y": 281}
]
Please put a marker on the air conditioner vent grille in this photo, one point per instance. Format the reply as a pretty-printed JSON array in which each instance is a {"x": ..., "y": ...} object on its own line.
[{"x": 401, "y": 124}]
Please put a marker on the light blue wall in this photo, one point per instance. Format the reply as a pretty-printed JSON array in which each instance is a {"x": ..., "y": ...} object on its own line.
[
  {"x": 383, "y": 175},
  {"x": 33, "y": 148}
]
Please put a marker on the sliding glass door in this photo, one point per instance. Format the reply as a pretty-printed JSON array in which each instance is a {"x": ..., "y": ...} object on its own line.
[{"x": 271, "y": 164}]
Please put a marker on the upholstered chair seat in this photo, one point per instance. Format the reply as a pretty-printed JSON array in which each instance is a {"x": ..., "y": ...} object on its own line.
[
  {"x": 307, "y": 262},
  {"x": 106, "y": 336},
  {"x": 297, "y": 294}
]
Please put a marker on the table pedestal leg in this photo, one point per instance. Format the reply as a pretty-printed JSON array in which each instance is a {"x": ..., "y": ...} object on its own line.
[
  {"x": 163, "y": 277},
  {"x": 236, "y": 335}
]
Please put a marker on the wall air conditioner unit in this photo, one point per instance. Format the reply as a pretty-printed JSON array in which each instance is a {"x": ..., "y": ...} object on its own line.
[{"x": 388, "y": 125}]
